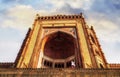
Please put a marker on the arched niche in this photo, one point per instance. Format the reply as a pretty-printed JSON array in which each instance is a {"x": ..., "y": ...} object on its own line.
[{"x": 58, "y": 47}]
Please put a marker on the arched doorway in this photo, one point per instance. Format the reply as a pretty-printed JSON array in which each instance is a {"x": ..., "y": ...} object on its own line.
[{"x": 58, "y": 50}]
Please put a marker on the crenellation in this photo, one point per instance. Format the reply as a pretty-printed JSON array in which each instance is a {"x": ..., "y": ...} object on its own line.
[
  {"x": 59, "y": 17},
  {"x": 117, "y": 65}
]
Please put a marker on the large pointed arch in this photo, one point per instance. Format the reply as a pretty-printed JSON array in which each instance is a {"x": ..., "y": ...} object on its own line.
[{"x": 58, "y": 46}]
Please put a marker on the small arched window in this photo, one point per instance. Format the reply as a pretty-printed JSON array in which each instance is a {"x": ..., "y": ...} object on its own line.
[
  {"x": 59, "y": 65},
  {"x": 68, "y": 64},
  {"x": 47, "y": 63}
]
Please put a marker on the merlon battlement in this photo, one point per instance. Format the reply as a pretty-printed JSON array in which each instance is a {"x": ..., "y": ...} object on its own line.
[{"x": 58, "y": 17}]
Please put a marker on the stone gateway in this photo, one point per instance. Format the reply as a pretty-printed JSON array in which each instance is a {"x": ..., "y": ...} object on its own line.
[{"x": 63, "y": 43}]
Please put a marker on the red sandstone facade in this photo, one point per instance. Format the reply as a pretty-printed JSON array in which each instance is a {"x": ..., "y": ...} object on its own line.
[{"x": 57, "y": 41}]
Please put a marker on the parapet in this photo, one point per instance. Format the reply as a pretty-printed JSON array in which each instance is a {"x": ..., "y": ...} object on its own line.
[
  {"x": 58, "y": 17},
  {"x": 114, "y": 66}
]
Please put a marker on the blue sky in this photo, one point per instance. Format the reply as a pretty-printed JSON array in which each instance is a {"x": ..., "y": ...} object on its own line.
[{"x": 16, "y": 16}]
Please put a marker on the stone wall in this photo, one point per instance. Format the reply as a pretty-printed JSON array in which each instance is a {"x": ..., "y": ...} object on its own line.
[
  {"x": 60, "y": 72},
  {"x": 114, "y": 65}
]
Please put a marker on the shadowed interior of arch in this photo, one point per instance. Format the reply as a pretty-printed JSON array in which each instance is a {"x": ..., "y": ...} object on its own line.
[{"x": 59, "y": 45}]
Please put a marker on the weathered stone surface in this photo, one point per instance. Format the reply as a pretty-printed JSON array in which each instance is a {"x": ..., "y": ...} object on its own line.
[{"x": 60, "y": 72}]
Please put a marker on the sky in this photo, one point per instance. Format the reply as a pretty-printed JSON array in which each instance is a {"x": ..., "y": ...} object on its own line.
[{"x": 16, "y": 16}]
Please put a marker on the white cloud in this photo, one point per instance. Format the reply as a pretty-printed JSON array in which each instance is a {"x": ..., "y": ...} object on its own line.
[
  {"x": 22, "y": 16},
  {"x": 19, "y": 17},
  {"x": 108, "y": 35},
  {"x": 84, "y": 4},
  {"x": 21, "y": 11},
  {"x": 106, "y": 29}
]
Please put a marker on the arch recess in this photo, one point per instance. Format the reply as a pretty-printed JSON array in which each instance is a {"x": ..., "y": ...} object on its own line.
[{"x": 58, "y": 45}]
